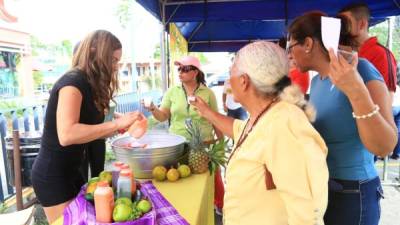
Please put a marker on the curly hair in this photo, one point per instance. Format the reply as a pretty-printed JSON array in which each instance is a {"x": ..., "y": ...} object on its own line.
[{"x": 94, "y": 57}]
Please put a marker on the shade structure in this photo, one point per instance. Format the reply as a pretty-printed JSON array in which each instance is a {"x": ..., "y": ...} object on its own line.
[{"x": 227, "y": 25}]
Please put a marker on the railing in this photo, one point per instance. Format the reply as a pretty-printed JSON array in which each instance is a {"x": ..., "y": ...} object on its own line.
[
  {"x": 8, "y": 92},
  {"x": 31, "y": 118}
]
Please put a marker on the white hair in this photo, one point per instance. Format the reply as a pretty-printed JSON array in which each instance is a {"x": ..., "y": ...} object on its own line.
[{"x": 266, "y": 64}]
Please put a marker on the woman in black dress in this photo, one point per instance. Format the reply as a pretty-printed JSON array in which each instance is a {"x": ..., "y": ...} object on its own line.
[{"x": 74, "y": 117}]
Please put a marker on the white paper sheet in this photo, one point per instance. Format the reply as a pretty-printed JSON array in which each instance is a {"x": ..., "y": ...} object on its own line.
[{"x": 330, "y": 29}]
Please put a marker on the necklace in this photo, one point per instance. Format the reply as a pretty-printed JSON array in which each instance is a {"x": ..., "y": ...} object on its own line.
[{"x": 244, "y": 135}]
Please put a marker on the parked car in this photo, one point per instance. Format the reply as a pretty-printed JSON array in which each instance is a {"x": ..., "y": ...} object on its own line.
[{"x": 217, "y": 80}]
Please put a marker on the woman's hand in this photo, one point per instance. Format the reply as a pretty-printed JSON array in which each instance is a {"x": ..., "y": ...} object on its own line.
[
  {"x": 201, "y": 106},
  {"x": 127, "y": 119},
  {"x": 149, "y": 107},
  {"x": 344, "y": 75}
]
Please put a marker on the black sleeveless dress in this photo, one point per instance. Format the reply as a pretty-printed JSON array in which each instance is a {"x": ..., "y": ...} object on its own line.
[{"x": 56, "y": 176}]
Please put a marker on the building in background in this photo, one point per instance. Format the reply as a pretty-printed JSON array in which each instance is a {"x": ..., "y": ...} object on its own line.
[{"x": 15, "y": 57}]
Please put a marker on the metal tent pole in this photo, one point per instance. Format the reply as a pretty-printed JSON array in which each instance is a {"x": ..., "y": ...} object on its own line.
[
  {"x": 164, "y": 74},
  {"x": 386, "y": 160}
]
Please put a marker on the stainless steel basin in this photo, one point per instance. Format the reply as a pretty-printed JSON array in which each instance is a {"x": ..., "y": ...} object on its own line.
[{"x": 162, "y": 149}]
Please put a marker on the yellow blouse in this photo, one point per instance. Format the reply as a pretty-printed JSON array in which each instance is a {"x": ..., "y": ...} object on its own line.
[{"x": 286, "y": 143}]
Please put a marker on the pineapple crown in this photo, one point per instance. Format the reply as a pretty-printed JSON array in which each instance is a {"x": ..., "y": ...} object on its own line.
[
  {"x": 196, "y": 138},
  {"x": 215, "y": 152}
]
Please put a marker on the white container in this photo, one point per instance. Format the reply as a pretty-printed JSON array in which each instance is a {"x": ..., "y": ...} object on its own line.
[
  {"x": 124, "y": 186},
  {"x": 116, "y": 168}
]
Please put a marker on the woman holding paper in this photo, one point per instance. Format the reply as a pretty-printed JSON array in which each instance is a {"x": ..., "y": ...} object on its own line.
[{"x": 353, "y": 116}]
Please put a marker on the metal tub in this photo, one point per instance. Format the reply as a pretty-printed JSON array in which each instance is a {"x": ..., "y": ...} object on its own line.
[{"x": 162, "y": 149}]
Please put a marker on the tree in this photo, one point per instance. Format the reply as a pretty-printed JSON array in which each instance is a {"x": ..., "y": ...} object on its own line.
[
  {"x": 37, "y": 78},
  {"x": 124, "y": 12},
  {"x": 157, "y": 52},
  {"x": 67, "y": 47},
  {"x": 381, "y": 31}
]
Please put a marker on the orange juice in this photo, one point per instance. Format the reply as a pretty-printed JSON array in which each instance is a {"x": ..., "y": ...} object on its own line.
[{"x": 104, "y": 202}]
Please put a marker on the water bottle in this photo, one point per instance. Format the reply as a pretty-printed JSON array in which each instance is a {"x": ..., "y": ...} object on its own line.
[
  {"x": 124, "y": 185},
  {"x": 115, "y": 173}
]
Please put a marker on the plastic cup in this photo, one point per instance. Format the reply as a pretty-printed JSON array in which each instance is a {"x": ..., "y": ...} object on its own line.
[
  {"x": 191, "y": 98},
  {"x": 349, "y": 56},
  {"x": 147, "y": 101}
]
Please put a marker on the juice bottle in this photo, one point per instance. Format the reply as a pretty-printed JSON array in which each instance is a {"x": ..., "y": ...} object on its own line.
[
  {"x": 126, "y": 166},
  {"x": 115, "y": 173},
  {"x": 124, "y": 185},
  {"x": 103, "y": 202}
]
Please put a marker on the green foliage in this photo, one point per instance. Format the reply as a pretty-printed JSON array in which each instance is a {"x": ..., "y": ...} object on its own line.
[
  {"x": 203, "y": 59},
  {"x": 216, "y": 153},
  {"x": 63, "y": 48},
  {"x": 147, "y": 79},
  {"x": 9, "y": 105},
  {"x": 124, "y": 12},
  {"x": 3, "y": 207},
  {"x": 157, "y": 52},
  {"x": 67, "y": 47},
  {"x": 110, "y": 156},
  {"x": 37, "y": 78},
  {"x": 381, "y": 31}
]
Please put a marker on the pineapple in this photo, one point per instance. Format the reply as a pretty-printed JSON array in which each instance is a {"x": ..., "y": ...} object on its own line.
[{"x": 201, "y": 156}]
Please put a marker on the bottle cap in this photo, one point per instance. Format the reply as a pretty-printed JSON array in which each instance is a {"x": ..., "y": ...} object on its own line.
[
  {"x": 124, "y": 166},
  {"x": 102, "y": 184},
  {"x": 117, "y": 163},
  {"x": 125, "y": 173}
]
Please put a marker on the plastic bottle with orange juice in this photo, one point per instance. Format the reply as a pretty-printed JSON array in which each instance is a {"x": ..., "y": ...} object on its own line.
[{"x": 104, "y": 202}]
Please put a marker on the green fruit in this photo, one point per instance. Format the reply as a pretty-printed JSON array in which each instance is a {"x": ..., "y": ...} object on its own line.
[
  {"x": 106, "y": 176},
  {"x": 121, "y": 213},
  {"x": 89, "y": 197},
  {"x": 159, "y": 173},
  {"x": 184, "y": 171},
  {"x": 172, "y": 175},
  {"x": 144, "y": 206},
  {"x": 93, "y": 180},
  {"x": 91, "y": 187},
  {"x": 124, "y": 200}
]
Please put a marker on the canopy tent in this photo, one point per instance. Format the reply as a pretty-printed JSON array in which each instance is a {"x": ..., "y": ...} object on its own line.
[
  {"x": 239, "y": 10},
  {"x": 226, "y": 25},
  {"x": 228, "y": 36}
]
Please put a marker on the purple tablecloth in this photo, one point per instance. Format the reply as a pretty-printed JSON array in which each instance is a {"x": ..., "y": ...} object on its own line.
[{"x": 82, "y": 212}]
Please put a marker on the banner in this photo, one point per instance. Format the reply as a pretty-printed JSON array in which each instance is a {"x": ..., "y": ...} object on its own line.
[{"x": 178, "y": 48}]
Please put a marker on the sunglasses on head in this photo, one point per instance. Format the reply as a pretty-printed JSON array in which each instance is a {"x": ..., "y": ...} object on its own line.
[{"x": 185, "y": 69}]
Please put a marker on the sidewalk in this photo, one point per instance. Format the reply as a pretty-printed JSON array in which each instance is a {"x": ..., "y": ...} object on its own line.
[{"x": 390, "y": 205}]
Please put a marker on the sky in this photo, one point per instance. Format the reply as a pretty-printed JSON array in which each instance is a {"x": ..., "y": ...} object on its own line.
[{"x": 55, "y": 20}]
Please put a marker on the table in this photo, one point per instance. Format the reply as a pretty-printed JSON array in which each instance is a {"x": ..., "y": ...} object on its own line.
[{"x": 193, "y": 197}]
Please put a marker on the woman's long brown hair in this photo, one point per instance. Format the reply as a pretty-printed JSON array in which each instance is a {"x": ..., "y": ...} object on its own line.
[{"x": 95, "y": 58}]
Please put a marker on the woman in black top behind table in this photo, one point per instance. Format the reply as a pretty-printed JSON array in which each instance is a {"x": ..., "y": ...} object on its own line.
[{"x": 74, "y": 117}]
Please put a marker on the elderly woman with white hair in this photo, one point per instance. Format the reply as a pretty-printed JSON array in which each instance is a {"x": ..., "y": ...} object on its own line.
[{"x": 277, "y": 172}]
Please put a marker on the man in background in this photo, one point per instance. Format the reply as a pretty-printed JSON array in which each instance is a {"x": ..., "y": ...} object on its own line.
[{"x": 369, "y": 47}]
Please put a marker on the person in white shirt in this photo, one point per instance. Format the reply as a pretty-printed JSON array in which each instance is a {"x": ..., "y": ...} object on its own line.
[{"x": 232, "y": 108}]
